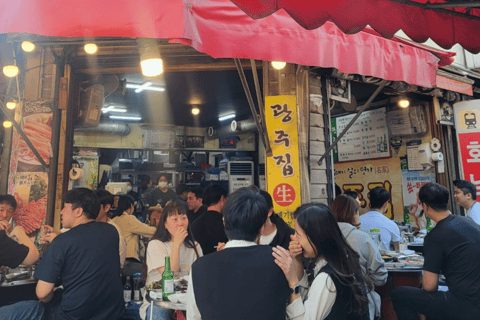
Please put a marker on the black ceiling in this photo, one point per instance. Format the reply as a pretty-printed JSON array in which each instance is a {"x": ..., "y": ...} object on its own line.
[{"x": 215, "y": 93}]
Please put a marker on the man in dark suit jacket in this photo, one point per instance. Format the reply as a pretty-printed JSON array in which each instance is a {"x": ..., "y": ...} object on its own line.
[{"x": 241, "y": 281}]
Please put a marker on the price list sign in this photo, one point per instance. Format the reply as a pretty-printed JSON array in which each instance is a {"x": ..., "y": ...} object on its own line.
[{"x": 367, "y": 138}]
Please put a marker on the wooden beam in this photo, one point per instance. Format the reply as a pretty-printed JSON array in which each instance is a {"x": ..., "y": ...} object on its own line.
[{"x": 224, "y": 65}]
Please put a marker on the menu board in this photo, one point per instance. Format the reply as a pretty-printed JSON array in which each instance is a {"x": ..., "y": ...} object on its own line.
[{"x": 367, "y": 138}]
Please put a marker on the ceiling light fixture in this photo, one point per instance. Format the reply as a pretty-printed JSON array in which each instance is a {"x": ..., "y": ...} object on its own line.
[
  {"x": 12, "y": 105},
  {"x": 226, "y": 117},
  {"x": 195, "y": 111},
  {"x": 403, "y": 103},
  {"x": 119, "y": 109},
  {"x": 10, "y": 71},
  {"x": 7, "y": 124},
  {"x": 90, "y": 48},
  {"x": 28, "y": 46},
  {"x": 146, "y": 86},
  {"x": 151, "y": 63},
  {"x": 279, "y": 65},
  {"x": 130, "y": 118}
]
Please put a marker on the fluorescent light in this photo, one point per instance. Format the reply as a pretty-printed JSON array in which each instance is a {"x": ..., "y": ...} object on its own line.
[
  {"x": 145, "y": 86},
  {"x": 131, "y": 118},
  {"x": 124, "y": 160},
  {"x": 226, "y": 117},
  {"x": 114, "y": 109}
]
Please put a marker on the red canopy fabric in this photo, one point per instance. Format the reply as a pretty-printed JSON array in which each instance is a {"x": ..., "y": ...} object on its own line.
[
  {"x": 384, "y": 16},
  {"x": 222, "y": 30}
]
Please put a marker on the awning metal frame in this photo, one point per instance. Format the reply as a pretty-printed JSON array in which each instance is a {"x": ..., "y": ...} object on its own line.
[
  {"x": 440, "y": 7},
  {"x": 258, "y": 118},
  {"x": 381, "y": 85}
]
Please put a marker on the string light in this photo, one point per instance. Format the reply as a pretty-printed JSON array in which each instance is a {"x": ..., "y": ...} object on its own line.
[
  {"x": 7, "y": 124},
  {"x": 28, "y": 46},
  {"x": 195, "y": 111},
  {"x": 279, "y": 65},
  {"x": 11, "y": 105},
  {"x": 90, "y": 48}
]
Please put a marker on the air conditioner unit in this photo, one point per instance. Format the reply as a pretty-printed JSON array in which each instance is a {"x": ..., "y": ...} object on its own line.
[
  {"x": 240, "y": 174},
  {"x": 261, "y": 176}
]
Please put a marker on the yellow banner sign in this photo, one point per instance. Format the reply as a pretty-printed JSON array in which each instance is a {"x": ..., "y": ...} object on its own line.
[{"x": 283, "y": 168}]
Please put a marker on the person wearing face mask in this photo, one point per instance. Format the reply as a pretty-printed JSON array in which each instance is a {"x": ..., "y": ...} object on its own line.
[
  {"x": 130, "y": 191},
  {"x": 160, "y": 196}
]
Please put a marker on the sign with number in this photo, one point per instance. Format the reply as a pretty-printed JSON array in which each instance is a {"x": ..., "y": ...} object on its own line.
[
  {"x": 467, "y": 123},
  {"x": 283, "y": 180}
]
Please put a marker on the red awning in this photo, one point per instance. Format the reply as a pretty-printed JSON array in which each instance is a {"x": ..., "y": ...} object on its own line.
[
  {"x": 222, "y": 30},
  {"x": 443, "y": 26}
]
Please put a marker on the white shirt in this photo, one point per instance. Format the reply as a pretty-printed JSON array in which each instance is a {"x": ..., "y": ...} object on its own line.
[
  {"x": 156, "y": 253},
  {"x": 266, "y": 240},
  {"x": 321, "y": 297},
  {"x": 192, "y": 310},
  {"x": 389, "y": 231},
  {"x": 474, "y": 212}
]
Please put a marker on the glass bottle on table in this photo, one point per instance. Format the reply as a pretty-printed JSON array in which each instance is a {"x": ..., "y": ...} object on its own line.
[
  {"x": 127, "y": 291},
  {"x": 168, "y": 287}
]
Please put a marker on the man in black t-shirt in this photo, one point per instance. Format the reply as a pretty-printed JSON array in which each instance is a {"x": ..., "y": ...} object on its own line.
[
  {"x": 208, "y": 229},
  {"x": 453, "y": 249},
  {"x": 195, "y": 204},
  {"x": 87, "y": 262}
]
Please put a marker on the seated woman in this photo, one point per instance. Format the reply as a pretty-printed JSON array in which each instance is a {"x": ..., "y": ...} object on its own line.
[
  {"x": 345, "y": 209},
  {"x": 338, "y": 289},
  {"x": 130, "y": 229},
  {"x": 174, "y": 239}
]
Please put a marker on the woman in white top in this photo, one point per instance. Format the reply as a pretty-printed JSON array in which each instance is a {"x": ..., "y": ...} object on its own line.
[
  {"x": 174, "y": 239},
  {"x": 345, "y": 209},
  {"x": 338, "y": 288}
]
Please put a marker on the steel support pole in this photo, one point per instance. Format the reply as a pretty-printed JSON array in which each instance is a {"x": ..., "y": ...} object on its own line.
[{"x": 261, "y": 132}]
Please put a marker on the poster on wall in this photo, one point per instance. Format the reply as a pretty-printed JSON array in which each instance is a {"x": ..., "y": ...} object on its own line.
[
  {"x": 283, "y": 168},
  {"x": 27, "y": 179},
  {"x": 412, "y": 182},
  {"x": 363, "y": 176},
  {"x": 467, "y": 117},
  {"x": 367, "y": 138}
]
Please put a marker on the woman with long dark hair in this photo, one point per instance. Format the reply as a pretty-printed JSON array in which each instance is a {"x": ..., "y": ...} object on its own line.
[
  {"x": 345, "y": 209},
  {"x": 173, "y": 239},
  {"x": 338, "y": 289},
  {"x": 130, "y": 228}
]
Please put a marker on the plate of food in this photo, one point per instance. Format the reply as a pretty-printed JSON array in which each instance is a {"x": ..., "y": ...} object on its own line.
[{"x": 178, "y": 298}]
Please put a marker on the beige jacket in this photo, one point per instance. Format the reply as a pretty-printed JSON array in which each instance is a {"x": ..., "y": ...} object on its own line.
[{"x": 130, "y": 229}]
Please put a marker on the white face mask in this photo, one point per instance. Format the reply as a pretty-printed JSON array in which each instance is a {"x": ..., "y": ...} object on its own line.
[
  {"x": 129, "y": 188},
  {"x": 162, "y": 184}
]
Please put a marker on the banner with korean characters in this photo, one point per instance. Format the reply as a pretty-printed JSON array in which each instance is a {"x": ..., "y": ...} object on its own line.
[
  {"x": 363, "y": 176},
  {"x": 283, "y": 168},
  {"x": 467, "y": 117}
]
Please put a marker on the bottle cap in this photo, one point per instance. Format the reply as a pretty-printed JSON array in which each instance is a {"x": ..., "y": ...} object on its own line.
[{"x": 137, "y": 275}]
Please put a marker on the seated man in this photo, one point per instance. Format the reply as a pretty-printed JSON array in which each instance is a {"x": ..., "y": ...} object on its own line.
[
  {"x": 182, "y": 194},
  {"x": 13, "y": 254},
  {"x": 241, "y": 281},
  {"x": 452, "y": 248},
  {"x": 86, "y": 260},
  {"x": 208, "y": 229},
  {"x": 195, "y": 204},
  {"x": 375, "y": 219},
  {"x": 465, "y": 194}
]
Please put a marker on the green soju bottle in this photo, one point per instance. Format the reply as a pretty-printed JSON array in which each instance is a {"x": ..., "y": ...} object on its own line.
[{"x": 167, "y": 280}]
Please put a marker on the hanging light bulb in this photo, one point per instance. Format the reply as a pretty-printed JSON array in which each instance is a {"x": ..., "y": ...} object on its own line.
[
  {"x": 11, "y": 105},
  {"x": 7, "y": 124},
  {"x": 403, "y": 103},
  {"x": 90, "y": 48},
  {"x": 279, "y": 65},
  {"x": 28, "y": 46},
  {"x": 10, "y": 71},
  {"x": 151, "y": 63},
  {"x": 195, "y": 111}
]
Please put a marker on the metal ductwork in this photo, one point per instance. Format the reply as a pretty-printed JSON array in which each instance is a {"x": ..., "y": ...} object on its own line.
[
  {"x": 235, "y": 127},
  {"x": 117, "y": 128}
]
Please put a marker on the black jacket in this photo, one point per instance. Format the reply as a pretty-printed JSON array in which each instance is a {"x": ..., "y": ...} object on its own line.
[{"x": 282, "y": 238}]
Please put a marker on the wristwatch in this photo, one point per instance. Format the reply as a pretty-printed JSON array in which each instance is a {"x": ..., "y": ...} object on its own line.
[{"x": 297, "y": 289}]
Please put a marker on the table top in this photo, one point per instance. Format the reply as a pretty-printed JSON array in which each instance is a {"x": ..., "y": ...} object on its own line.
[
  {"x": 171, "y": 305},
  {"x": 18, "y": 282},
  {"x": 405, "y": 269}
]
